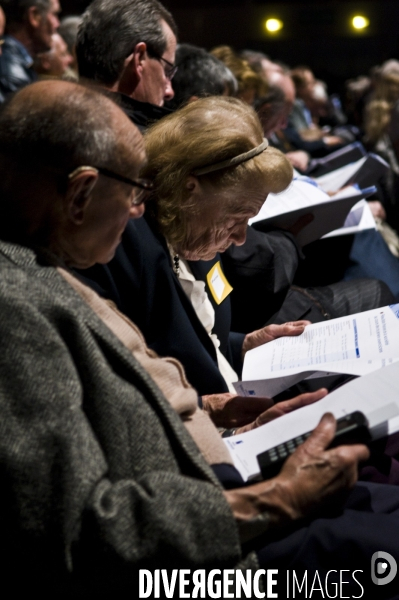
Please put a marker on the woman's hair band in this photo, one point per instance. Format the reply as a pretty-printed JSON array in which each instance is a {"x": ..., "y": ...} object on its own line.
[{"x": 232, "y": 162}]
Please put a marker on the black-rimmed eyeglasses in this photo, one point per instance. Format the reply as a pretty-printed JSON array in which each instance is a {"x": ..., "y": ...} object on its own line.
[
  {"x": 168, "y": 67},
  {"x": 143, "y": 187}
]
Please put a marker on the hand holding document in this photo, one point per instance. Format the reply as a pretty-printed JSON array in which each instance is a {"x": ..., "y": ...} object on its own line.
[
  {"x": 376, "y": 395},
  {"x": 357, "y": 344},
  {"x": 303, "y": 198}
]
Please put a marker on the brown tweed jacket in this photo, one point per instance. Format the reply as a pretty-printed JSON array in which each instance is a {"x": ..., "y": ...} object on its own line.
[{"x": 99, "y": 477}]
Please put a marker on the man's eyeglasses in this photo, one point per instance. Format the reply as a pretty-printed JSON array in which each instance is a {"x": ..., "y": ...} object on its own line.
[
  {"x": 168, "y": 67},
  {"x": 143, "y": 187}
]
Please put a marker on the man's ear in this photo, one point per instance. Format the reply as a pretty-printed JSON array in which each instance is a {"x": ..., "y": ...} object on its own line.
[
  {"x": 79, "y": 194},
  {"x": 133, "y": 69},
  {"x": 34, "y": 16}
]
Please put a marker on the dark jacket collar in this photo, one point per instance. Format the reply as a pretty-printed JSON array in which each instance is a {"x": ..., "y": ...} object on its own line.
[{"x": 143, "y": 114}]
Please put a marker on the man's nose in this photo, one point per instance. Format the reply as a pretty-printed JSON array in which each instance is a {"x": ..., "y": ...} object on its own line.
[{"x": 169, "y": 92}]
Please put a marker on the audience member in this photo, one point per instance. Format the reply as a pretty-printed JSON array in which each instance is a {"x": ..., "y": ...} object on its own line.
[
  {"x": 30, "y": 27},
  {"x": 250, "y": 84},
  {"x": 68, "y": 30},
  {"x": 101, "y": 476},
  {"x": 54, "y": 62},
  {"x": 128, "y": 47},
  {"x": 199, "y": 74}
]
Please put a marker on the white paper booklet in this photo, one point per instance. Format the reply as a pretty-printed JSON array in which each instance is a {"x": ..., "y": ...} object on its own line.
[
  {"x": 357, "y": 344},
  {"x": 360, "y": 218},
  {"x": 303, "y": 198},
  {"x": 364, "y": 172},
  {"x": 375, "y": 394}
]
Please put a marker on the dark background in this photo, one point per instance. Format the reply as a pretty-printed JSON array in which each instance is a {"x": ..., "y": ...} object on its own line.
[{"x": 315, "y": 33}]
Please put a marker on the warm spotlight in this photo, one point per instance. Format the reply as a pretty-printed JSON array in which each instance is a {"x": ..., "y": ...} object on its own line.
[
  {"x": 360, "y": 22},
  {"x": 273, "y": 25}
]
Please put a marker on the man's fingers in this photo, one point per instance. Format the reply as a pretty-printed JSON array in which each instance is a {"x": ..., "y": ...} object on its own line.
[
  {"x": 322, "y": 436},
  {"x": 351, "y": 453}
]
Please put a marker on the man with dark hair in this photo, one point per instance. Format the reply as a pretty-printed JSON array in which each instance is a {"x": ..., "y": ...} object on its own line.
[
  {"x": 128, "y": 47},
  {"x": 200, "y": 74},
  {"x": 30, "y": 26}
]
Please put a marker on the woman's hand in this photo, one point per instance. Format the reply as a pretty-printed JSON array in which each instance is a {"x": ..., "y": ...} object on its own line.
[
  {"x": 272, "y": 332},
  {"x": 283, "y": 408},
  {"x": 229, "y": 410},
  {"x": 246, "y": 413}
]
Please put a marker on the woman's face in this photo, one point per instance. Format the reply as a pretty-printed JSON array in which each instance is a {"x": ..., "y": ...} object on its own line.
[{"x": 216, "y": 225}]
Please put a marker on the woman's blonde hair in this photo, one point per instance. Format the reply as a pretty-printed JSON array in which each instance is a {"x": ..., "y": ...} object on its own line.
[
  {"x": 205, "y": 132},
  {"x": 379, "y": 109},
  {"x": 247, "y": 78}
]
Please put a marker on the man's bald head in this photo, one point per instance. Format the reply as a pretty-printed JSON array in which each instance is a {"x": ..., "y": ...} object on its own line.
[
  {"x": 49, "y": 129},
  {"x": 61, "y": 125},
  {"x": 284, "y": 82}
]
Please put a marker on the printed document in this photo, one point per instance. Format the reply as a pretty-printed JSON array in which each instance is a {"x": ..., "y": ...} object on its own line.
[
  {"x": 375, "y": 394},
  {"x": 303, "y": 198},
  {"x": 356, "y": 345}
]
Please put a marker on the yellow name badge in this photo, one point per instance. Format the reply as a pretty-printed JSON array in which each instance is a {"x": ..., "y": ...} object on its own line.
[{"x": 218, "y": 284}]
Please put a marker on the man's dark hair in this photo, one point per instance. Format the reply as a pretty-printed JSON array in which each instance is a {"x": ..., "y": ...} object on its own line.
[
  {"x": 199, "y": 74},
  {"x": 254, "y": 58},
  {"x": 111, "y": 29},
  {"x": 15, "y": 10},
  {"x": 274, "y": 96}
]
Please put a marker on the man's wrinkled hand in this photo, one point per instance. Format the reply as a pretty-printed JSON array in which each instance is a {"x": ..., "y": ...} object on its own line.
[{"x": 313, "y": 477}]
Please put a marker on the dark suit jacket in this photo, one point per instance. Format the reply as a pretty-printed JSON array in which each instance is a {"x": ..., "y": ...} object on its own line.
[
  {"x": 141, "y": 281},
  {"x": 261, "y": 272},
  {"x": 99, "y": 477}
]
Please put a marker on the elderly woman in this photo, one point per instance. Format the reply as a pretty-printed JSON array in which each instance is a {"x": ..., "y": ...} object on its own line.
[
  {"x": 212, "y": 170},
  {"x": 99, "y": 476}
]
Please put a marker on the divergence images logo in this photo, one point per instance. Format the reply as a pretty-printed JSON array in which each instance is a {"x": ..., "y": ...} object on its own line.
[{"x": 383, "y": 568}]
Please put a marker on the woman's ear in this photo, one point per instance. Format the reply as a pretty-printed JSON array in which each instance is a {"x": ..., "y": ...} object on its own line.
[
  {"x": 79, "y": 194},
  {"x": 192, "y": 184}
]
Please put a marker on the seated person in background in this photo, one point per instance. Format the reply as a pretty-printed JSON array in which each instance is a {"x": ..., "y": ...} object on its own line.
[
  {"x": 100, "y": 477},
  {"x": 54, "y": 62},
  {"x": 199, "y": 74},
  {"x": 30, "y": 26},
  {"x": 68, "y": 30},
  {"x": 250, "y": 84}
]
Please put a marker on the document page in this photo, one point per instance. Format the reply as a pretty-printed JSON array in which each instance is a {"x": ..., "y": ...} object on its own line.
[
  {"x": 360, "y": 218},
  {"x": 375, "y": 394},
  {"x": 303, "y": 198},
  {"x": 364, "y": 172},
  {"x": 357, "y": 344}
]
